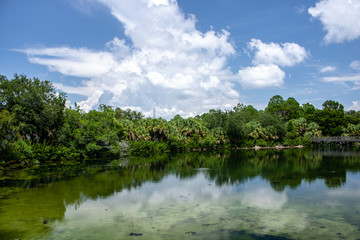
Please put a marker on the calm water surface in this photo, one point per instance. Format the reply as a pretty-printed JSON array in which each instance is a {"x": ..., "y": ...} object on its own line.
[{"x": 266, "y": 194}]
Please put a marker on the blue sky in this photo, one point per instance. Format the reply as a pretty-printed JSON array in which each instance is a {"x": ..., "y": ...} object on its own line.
[{"x": 186, "y": 57}]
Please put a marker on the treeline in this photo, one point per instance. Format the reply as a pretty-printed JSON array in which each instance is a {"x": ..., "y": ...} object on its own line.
[{"x": 36, "y": 126}]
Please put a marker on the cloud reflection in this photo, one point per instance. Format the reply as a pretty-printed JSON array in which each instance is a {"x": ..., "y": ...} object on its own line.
[{"x": 264, "y": 198}]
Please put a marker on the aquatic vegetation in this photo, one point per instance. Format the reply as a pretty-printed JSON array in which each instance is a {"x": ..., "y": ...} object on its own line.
[{"x": 247, "y": 194}]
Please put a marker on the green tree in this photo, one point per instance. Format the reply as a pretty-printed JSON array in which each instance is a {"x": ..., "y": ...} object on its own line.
[
  {"x": 214, "y": 119},
  {"x": 273, "y": 123},
  {"x": 292, "y": 109},
  {"x": 37, "y": 107},
  {"x": 313, "y": 130},
  {"x": 352, "y": 130},
  {"x": 128, "y": 114},
  {"x": 276, "y": 106},
  {"x": 301, "y": 128},
  {"x": 308, "y": 111},
  {"x": 93, "y": 135},
  {"x": 352, "y": 117},
  {"x": 8, "y": 134},
  {"x": 234, "y": 128},
  {"x": 249, "y": 113},
  {"x": 254, "y": 130},
  {"x": 331, "y": 118}
]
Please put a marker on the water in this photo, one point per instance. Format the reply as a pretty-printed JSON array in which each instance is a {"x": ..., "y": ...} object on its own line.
[{"x": 266, "y": 194}]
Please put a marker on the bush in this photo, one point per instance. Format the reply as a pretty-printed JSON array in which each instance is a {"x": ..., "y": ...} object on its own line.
[
  {"x": 298, "y": 141},
  {"x": 143, "y": 147}
]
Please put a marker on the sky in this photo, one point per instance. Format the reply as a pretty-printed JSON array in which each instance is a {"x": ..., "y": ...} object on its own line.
[{"x": 185, "y": 56}]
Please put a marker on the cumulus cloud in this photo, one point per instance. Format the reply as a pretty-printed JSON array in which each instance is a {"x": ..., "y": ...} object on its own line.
[
  {"x": 340, "y": 18},
  {"x": 286, "y": 54},
  {"x": 355, "y": 106},
  {"x": 167, "y": 64},
  {"x": 328, "y": 69},
  {"x": 262, "y": 76},
  {"x": 265, "y": 71},
  {"x": 264, "y": 198}
]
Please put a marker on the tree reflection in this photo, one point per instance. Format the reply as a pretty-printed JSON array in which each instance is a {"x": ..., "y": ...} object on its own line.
[{"x": 54, "y": 187}]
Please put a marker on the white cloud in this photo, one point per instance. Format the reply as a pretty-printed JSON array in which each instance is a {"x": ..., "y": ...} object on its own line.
[
  {"x": 350, "y": 78},
  {"x": 262, "y": 76},
  {"x": 93, "y": 100},
  {"x": 74, "y": 62},
  {"x": 328, "y": 69},
  {"x": 286, "y": 54},
  {"x": 165, "y": 63},
  {"x": 264, "y": 198},
  {"x": 354, "y": 78},
  {"x": 268, "y": 57},
  {"x": 355, "y": 65},
  {"x": 340, "y": 18},
  {"x": 355, "y": 106},
  {"x": 168, "y": 64}
]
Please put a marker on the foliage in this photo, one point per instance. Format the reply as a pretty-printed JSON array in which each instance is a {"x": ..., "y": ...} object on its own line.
[
  {"x": 301, "y": 128},
  {"x": 352, "y": 117},
  {"x": 37, "y": 107},
  {"x": 276, "y": 106},
  {"x": 289, "y": 109},
  {"x": 94, "y": 135},
  {"x": 352, "y": 130},
  {"x": 35, "y": 127},
  {"x": 128, "y": 114},
  {"x": 9, "y": 133},
  {"x": 331, "y": 118},
  {"x": 297, "y": 141}
]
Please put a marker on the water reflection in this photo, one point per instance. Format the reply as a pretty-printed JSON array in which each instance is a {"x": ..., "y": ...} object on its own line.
[
  {"x": 244, "y": 194},
  {"x": 256, "y": 195}
]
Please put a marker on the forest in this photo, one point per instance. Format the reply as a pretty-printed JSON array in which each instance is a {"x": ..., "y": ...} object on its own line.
[{"x": 37, "y": 127}]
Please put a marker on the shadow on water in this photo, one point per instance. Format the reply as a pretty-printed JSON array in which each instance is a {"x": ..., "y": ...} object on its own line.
[
  {"x": 25, "y": 203},
  {"x": 244, "y": 235}
]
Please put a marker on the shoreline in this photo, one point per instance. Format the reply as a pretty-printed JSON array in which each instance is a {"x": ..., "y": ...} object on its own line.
[{"x": 275, "y": 147}]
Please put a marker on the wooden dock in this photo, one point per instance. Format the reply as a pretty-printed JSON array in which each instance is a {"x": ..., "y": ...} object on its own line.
[{"x": 335, "y": 139}]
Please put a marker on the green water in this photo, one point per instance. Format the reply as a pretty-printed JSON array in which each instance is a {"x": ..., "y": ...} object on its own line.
[{"x": 266, "y": 194}]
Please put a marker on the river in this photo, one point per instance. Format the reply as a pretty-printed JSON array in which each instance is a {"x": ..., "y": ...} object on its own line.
[{"x": 247, "y": 194}]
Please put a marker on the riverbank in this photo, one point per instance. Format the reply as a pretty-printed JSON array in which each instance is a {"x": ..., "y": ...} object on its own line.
[{"x": 274, "y": 147}]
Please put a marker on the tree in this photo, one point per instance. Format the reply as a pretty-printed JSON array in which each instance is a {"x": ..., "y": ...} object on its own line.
[
  {"x": 331, "y": 118},
  {"x": 352, "y": 117},
  {"x": 38, "y": 108},
  {"x": 274, "y": 123},
  {"x": 234, "y": 127},
  {"x": 352, "y": 130},
  {"x": 276, "y": 106},
  {"x": 249, "y": 113},
  {"x": 301, "y": 128},
  {"x": 254, "y": 130},
  {"x": 128, "y": 114},
  {"x": 94, "y": 134},
  {"x": 292, "y": 109},
  {"x": 8, "y": 133},
  {"x": 308, "y": 111},
  {"x": 333, "y": 105},
  {"x": 214, "y": 119}
]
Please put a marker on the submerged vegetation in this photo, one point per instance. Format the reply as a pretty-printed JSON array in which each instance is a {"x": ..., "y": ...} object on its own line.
[
  {"x": 213, "y": 190},
  {"x": 37, "y": 127}
]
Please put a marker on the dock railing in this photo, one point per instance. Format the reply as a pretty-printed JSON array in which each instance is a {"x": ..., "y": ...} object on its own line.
[{"x": 336, "y": 139}]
